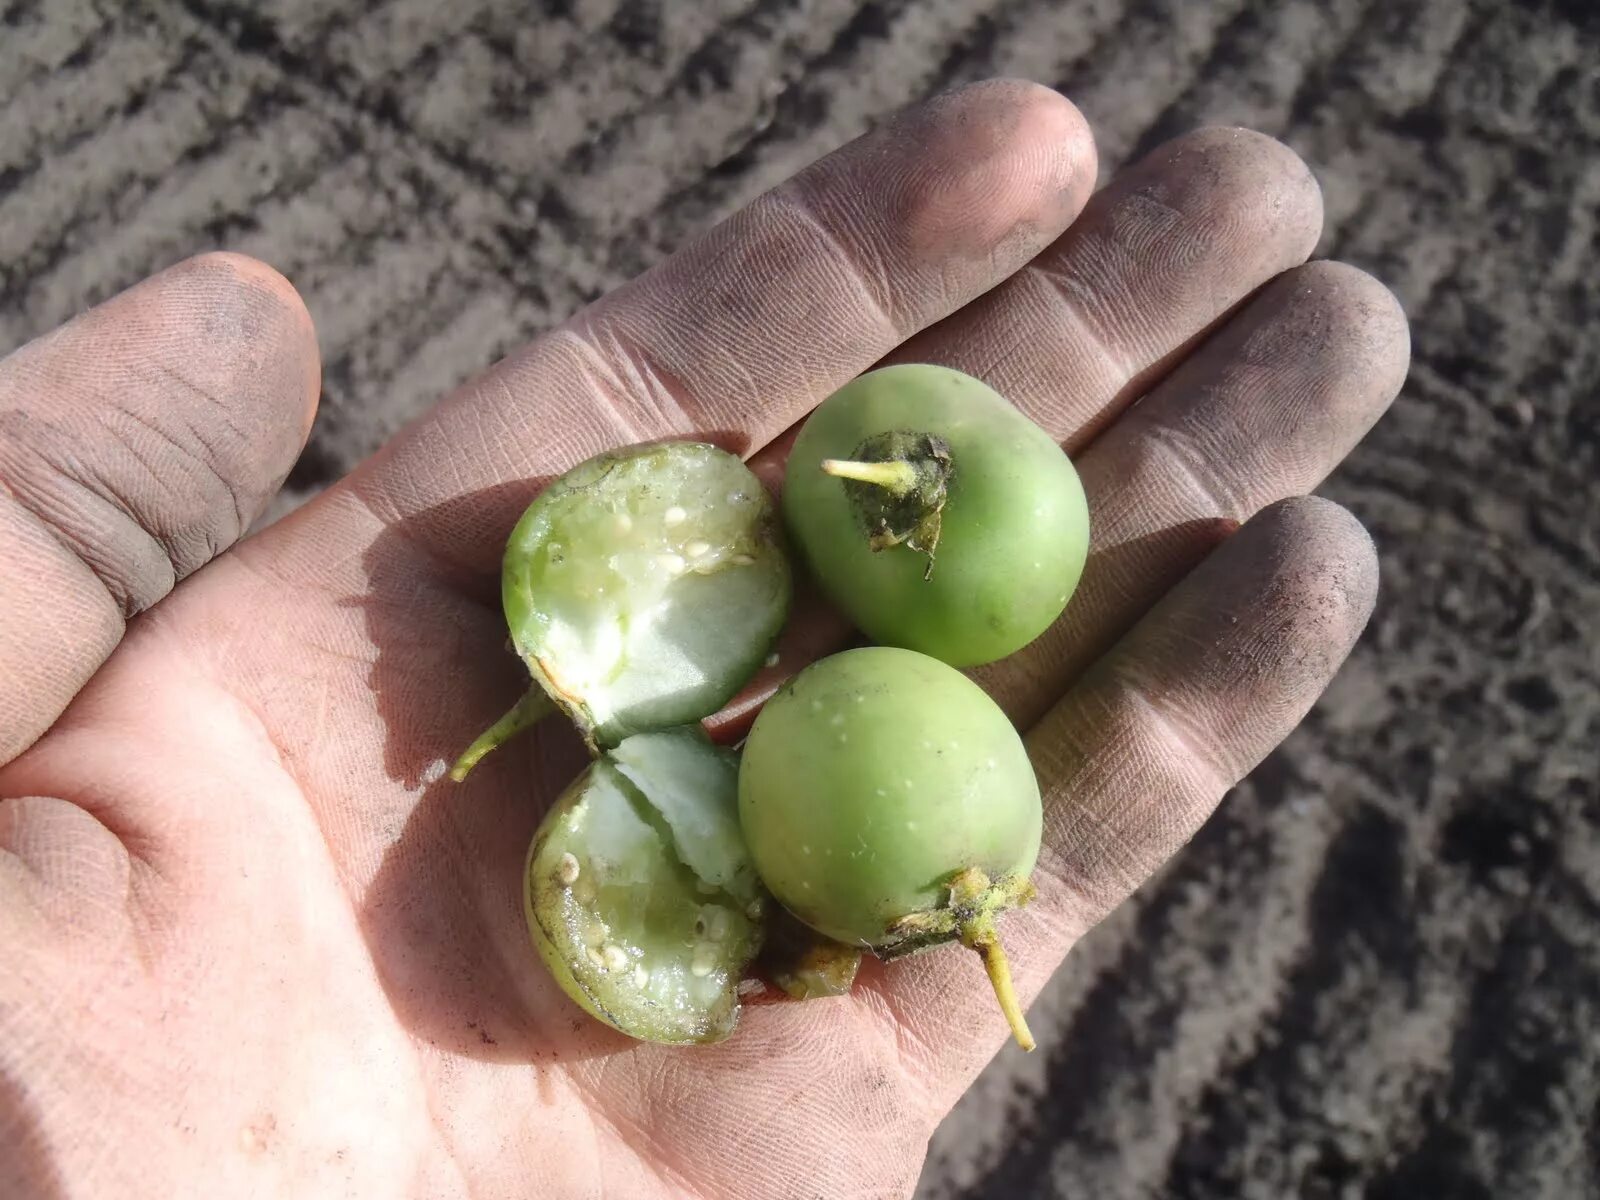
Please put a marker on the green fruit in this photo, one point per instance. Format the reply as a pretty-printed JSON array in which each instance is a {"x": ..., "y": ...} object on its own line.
[
  {"x": 640, "y": 895},
  {"x": 643, "y": 588},
  {"x": 937, "y": 516},
  {"x": 888, "y": 803}
]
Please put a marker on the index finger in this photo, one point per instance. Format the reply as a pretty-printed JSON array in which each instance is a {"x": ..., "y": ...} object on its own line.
[{"x": 740, "y": 333}]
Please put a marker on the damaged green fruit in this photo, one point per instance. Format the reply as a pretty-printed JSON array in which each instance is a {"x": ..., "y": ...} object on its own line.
[
  {"x": 640, "y": 895},
  {"x": 888, "y": 803},
  {"x": 642, "y": 589}
]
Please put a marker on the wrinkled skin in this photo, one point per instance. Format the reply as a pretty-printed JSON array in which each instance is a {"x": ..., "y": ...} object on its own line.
[{"x": 251, "y": 950}]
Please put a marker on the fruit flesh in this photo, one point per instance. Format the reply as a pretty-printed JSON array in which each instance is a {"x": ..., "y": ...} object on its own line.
[
  {"x": 1013, "y": 532},
  {"x": 645, "y": 910},
  {"x": 871, "y": 780},
  {"x": 644, "y": 587}
]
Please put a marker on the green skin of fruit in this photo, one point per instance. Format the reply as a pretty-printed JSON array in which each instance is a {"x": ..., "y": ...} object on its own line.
[
  {"x": 1013, "y": 533},
  {"x": 870, "y": 781}
]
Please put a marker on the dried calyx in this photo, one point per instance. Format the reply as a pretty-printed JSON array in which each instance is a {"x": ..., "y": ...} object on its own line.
[{"x": 898, "y": 483}]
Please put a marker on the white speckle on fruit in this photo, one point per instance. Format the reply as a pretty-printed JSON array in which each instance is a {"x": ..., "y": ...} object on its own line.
[
  {"x": 837, "y": 719},
  {"x": 772, "y": 659},
  {"x": 613, "y": 957},
  {"x": 880, "y": 791},
  {"x": 751, "y": 987},
  {"x": 911, "y": 826},
  {"x": 754, "y": 909},
  {"x": 805, "y": 849},
  {"x": 990, "y": 763},
  {"x": 622, "y": 522}
]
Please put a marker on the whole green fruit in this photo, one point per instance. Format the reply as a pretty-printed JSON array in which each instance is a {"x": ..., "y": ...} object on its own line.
[
  {"x": 936, "y": 515},
  {"x": 887, "y": 802}
]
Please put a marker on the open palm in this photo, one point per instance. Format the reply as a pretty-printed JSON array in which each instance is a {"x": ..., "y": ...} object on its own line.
[{"x": 253, "y": 944}]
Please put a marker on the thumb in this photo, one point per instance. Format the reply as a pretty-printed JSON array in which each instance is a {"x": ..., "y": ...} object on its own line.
[{"x": 137, "y": 442}]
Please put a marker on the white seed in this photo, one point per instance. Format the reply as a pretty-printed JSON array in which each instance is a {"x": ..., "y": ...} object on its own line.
[
  {"x": 754, "y": 909},
  {"x": 596, "y": 958},
  {"x": 595, "y": 931},
  {"x": 672, "y": 564},
  {"x": 717, "y": 926},
  {"x": 675, "y": 516},
  {"x": 704, "y": 888},
  {"x": 741, "y": 560},
  {"x": 614, "y": 957},
  {"x": 697, "y": 549},
  {"x": 751, "y": 987},
  {"x": 641, "y": 976},
  {"x": 772, "y": 659},
  {"x": 703, "y": 962},
  {"x": 622, "y": 522},
  {"x": 567, "y": 870},
  {"x": 583, "y": 891}
]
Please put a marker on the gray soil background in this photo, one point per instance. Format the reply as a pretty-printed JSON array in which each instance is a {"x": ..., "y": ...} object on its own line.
[{"x": 1376, "y": 973}]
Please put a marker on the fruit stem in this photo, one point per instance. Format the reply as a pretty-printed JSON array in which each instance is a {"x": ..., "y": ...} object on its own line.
[
  {"x": 897, "y": 476},
  {"x": 994, "y": 961},
  {"x": 527, "y": 712}
]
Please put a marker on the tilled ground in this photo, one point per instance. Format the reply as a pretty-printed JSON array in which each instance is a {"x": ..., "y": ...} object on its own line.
[{"x": 1377, "y": 972}]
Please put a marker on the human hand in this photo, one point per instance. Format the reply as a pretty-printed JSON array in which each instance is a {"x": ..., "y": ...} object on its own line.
[{"x": 255, "y": 945}]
